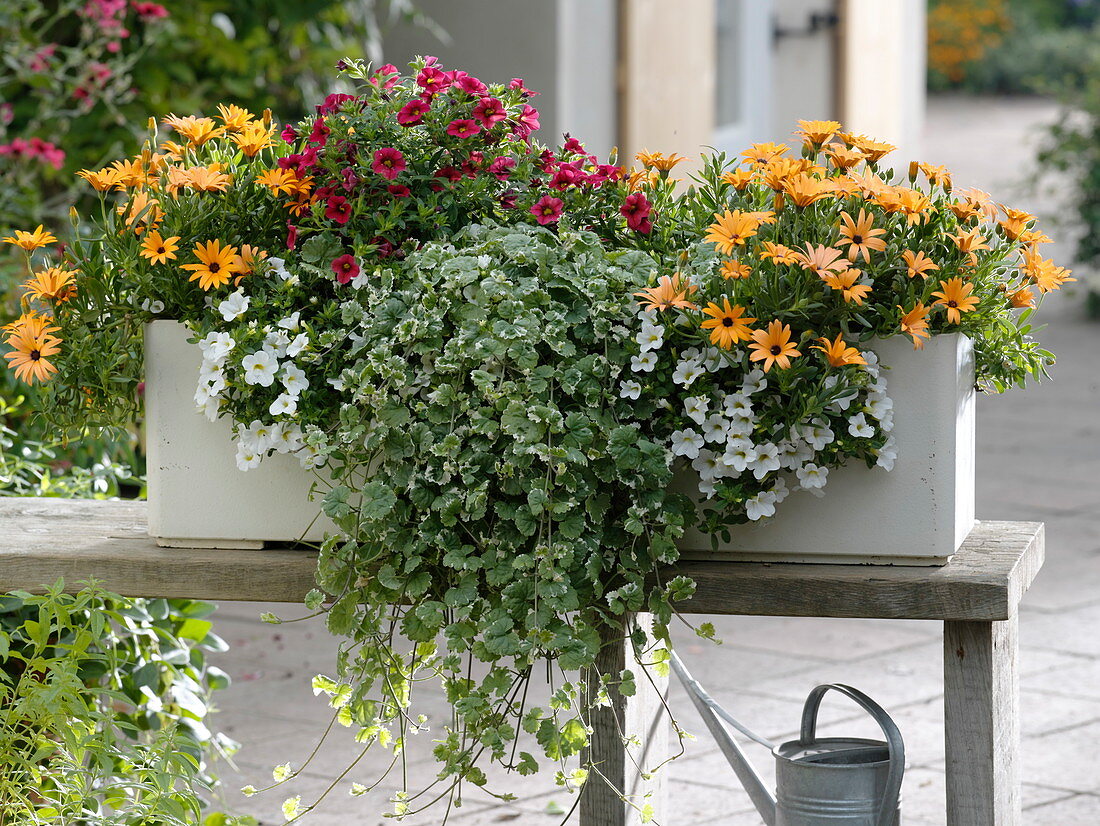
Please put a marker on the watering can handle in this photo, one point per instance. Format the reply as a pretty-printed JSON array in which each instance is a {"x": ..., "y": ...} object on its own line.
[{"x": 894, "y": 743}]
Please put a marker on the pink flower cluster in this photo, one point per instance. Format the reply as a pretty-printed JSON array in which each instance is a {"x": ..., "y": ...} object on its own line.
[{"x": 34, "y": 149}]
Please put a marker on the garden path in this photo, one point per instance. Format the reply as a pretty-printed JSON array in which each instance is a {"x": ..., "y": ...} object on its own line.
[{"x": 1039, "y": 453}]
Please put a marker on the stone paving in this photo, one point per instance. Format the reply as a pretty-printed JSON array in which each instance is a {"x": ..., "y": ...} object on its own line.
[{"x": 1038, "y": 456}]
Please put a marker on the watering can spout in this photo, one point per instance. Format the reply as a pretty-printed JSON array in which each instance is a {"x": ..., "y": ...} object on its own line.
[{"x": 761, "y": 798}]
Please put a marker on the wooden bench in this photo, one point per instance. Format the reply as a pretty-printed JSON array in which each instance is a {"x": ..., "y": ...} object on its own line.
[{"x": 976, "y": 596}]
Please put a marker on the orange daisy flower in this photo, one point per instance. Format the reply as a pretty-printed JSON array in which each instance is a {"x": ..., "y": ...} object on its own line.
[
  {"x": 778, "y": 254},
  {"x": 735, "y": 269},
  {"x": 731, "y": 230},
  {"x": 804, "y": 189},
  {"x": 846, "y": 283},
  {"x": 1022, "y": 298},
  {"x": 157, "y": 249},
  {"x": 955, "y": 296},
  {"x": 918, "y": 263},
  {"x": 727, "y": 324},
  {"x": 278, "y": 180},
  {"x": 30, "y": 241},
  {"x": 816, "y": 132},
  {"x": 822, "y": 260},
  {"x": 761, "y": 153},
  {"x": 938, "y": 175},
  {"x": 738, "y": 179},
  {"x": 197, "y": 130},
  {"x": 234, "y": 117},
  {"x": 657, "y": 160},
  {"x": 207, "y": 178},
  {"x": 874, "y": 150},
  {"x": 669, "y": 292},
  {"x": 844, "y": 157},
  {"x": 52, "y": 282},
  {"x": 860, "y": 234},
  {"x": 29, "y": 358},
  {"x": 915, "y": 323},
  {"x": 254, "y": 138},
  {"x": 838, "y": 353},
  {"x": 217, "y": 264},
  {"x": 101, "y": 180},
  {"x": 969, "y": 243},
  {"x": 913, "y": 205},
  {"x": 773, "y": 346}
]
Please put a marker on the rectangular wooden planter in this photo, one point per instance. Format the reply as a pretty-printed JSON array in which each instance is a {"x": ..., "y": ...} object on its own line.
[
  {"x": 198, "y": 498},
  {"x": 919, "y": 513}
]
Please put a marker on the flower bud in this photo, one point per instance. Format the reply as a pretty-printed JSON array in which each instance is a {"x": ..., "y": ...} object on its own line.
[
  {"x": 267, "y": 118},
  {"x": 778, "y": 202},
  {"x": 74, "y": 217},
  {"x": 914, "y": 167}
]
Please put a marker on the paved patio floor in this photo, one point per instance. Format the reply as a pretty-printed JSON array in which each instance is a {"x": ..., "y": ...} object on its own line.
[{"x": 1038, "y": 459}]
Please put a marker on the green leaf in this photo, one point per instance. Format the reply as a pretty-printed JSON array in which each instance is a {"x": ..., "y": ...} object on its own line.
[{"x": 378, "y": 500}]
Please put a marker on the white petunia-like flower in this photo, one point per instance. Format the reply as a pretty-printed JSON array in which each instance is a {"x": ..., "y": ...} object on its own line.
[
  {"x": 630, "y": 390},
  {"x": 212, "y": 408},
  {"x": 715, "y": 428},
  {"x": 247, "y": 458},
  {"x": 212, "y": 376},
  {"x": 737, "y": 405},
  {"x": 284, "y": 405},
  {"x": 153, "y": 306},
  {"x": 767, "y": 460},
  {"x": 695, "y": 408},
  {"x": 859, "y": 427},
  {"x": 686, "y": 372},
  {"x": 760, "y": 506},
  {"x": 311, "y": 458},
  {"x": 740, "y": 453},
  {"x": 298, "y": 344},
  {"x": 260, "y": 368},
  {"x": 812, "y": 476},
  {"x": 686, "y": 443},
  {"x": 712, "y": 359},
  {"x": 277, "y": 342},
  {"x": 817, "y": 434},
  {"x": 878, "y": 406},
  {"x": 234, "y": 306},
  {"x": 706, "y": 487},
  {"x": 651, "y": 337},
  {"x": 286, "y": 437},
  {"x": 293, "y": 379},
  {"x": 643, "y": 363},
  {"x": 886, "y": 423},
  {"x": 257, "y": 436},
  {"x": 290, "y": 323},
  {"x": 278, "y": 267},
  {"x": 779, "y": 489},
  {"x": 887, "y": 454},
  {"x": 754, "y": 382},
  {"x": 708, "y": 465},
  {"x": 216, "y": 347},
  {"x": 202, "y": 396}
]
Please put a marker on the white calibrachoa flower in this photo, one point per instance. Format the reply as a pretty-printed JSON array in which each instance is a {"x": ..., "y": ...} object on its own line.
[
  {"x": 715, "y": 428},
  {"x": 887, "y": 454},
  {"x": 311, "y": 458},
  {"x": 298, "y": 344},
  {"x": 760, "y": 506},
  {"x": 686, "y": 372},
  {"x": 737, "y": 406},
  {"x": 278, "y": 267},
  {"x": 780, "y": 490},
  {"x": 643, "y": 363},
  {"x": 878, "y": 405},
  {"x": 794, "y": 453},
  {"x": 767, "y": 460},
  {"x": 859, "y": 427},
  {"x": 686, "y": 443},
  {"x": 740, "y": 453},
  {"x": 293, "y": 379},
  {"x": 812, "y": 476},
  {"x": 651, "y": 337},
  {"x": 247, "y": 457},
  {"x": 886, "y": 423},
  {"x": 286, "y": 437},
  {"x": 234, "y": 306},
  {"x": 260, "y": 368},
  {"x": 277, "y": 342},
  {"x": 216, "y": 347},
  {"x": 754, "y": 382},
  {"x": 712, "y": 359},
  {"x": 212, "y": 376},
  {"x": 630, "y": 389},
  {"x": 817, "y": 434},
  {"x": 695, "y": 408},
  {"x": 708, "y": 465},
  {"x": 284, "y": 405},
  {"x": 290, "y": 323},
  {"x": 152, "y": 306},
  {"x": 257, "y": 436}
]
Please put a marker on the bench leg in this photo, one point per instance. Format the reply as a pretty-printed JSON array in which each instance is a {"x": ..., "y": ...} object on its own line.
[
  {"x": 981, "y": 716},
  {"x": 628, "y": 740}
]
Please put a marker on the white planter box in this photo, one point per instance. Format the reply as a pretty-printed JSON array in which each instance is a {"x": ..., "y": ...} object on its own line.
[
  {"x": 197, "y": 496},
  {"x": 917, "y": 514}
]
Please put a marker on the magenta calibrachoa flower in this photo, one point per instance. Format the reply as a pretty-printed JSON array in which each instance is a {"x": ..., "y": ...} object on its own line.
[
  {"x": 346, "y": 268},
  {"x": 338, "y": 209},
  {"x": 463, "y": 127},
  {"x": 547, "y": 209},
  {"x": 388, "y": 162}
]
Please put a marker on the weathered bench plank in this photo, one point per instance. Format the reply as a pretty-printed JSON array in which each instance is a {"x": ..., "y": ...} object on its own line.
[{"x": 44, "y": 539}]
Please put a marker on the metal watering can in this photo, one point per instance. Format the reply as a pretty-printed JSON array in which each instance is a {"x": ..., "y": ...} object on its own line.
[{"x": 829, "y": 781}]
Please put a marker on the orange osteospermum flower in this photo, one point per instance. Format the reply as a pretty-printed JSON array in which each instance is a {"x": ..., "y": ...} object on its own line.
[
  {"x": 234, "y": 117},
  {"x": 735, "y": 269},
  {"x": 861, "y": 234},
  {"x": 908, "y": 202},
  {"x": 838, "y": 352},
  {"x": 246, "y": 260},
  {"x": 980, "y": 199},
  {"x": 52, "y": 282},
  {"x": 969, "y": 243},
  {"x": 816, "y": 132},
  {"x": 938, "y": 175},
  {"x": 773, "y": 346},
  {"x": 1015, "y": 222},
  {"x": 29, "y": 357},
  {"x": 915, "y": 323},
  {"x": 1033, "y": 237},
  {"x": 140, "y": 209},
  {"x": 766, "y": 217},
  {"x": 197, "y": 130},
  {"x": 157, "y": 249},
  {"x": 254, "y": 138},
  {"x": 129, "y": 174},
  {"x": 207, "y": 178},
  {"x": 846, "y": 283},
  {"x": 657, "y": 160},
  {"x": 738, "y": 179},
  {"x": 1047, "y": 275},
  {"x": 31, "y": 241},
  {"x": 874, "y": 150},
  {"x": 955, "y": 296},
  {"x": 278, "y": 180},
  {"x": 101, "y": 180},
  {"x": 844, "y": 157},
  {"x": 731, "y": 230},
  {"x": 779, "y": 254},
  {"x": 918, "y": 264},
  {"x": 804, "y": 189},
  {"x": 1021, "y": 298},
  {"x": 761, "y": 153},
  {"x": 31, "y": 324},
  {"x": 868, "y": 182},
  {"x": 822, "y": 260},
  {"x": 727, "y": 324},
  {"x": 777, "y": 171},
  {"x": 669, "y": 292},
  {"x": 217, "y": 264}
]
